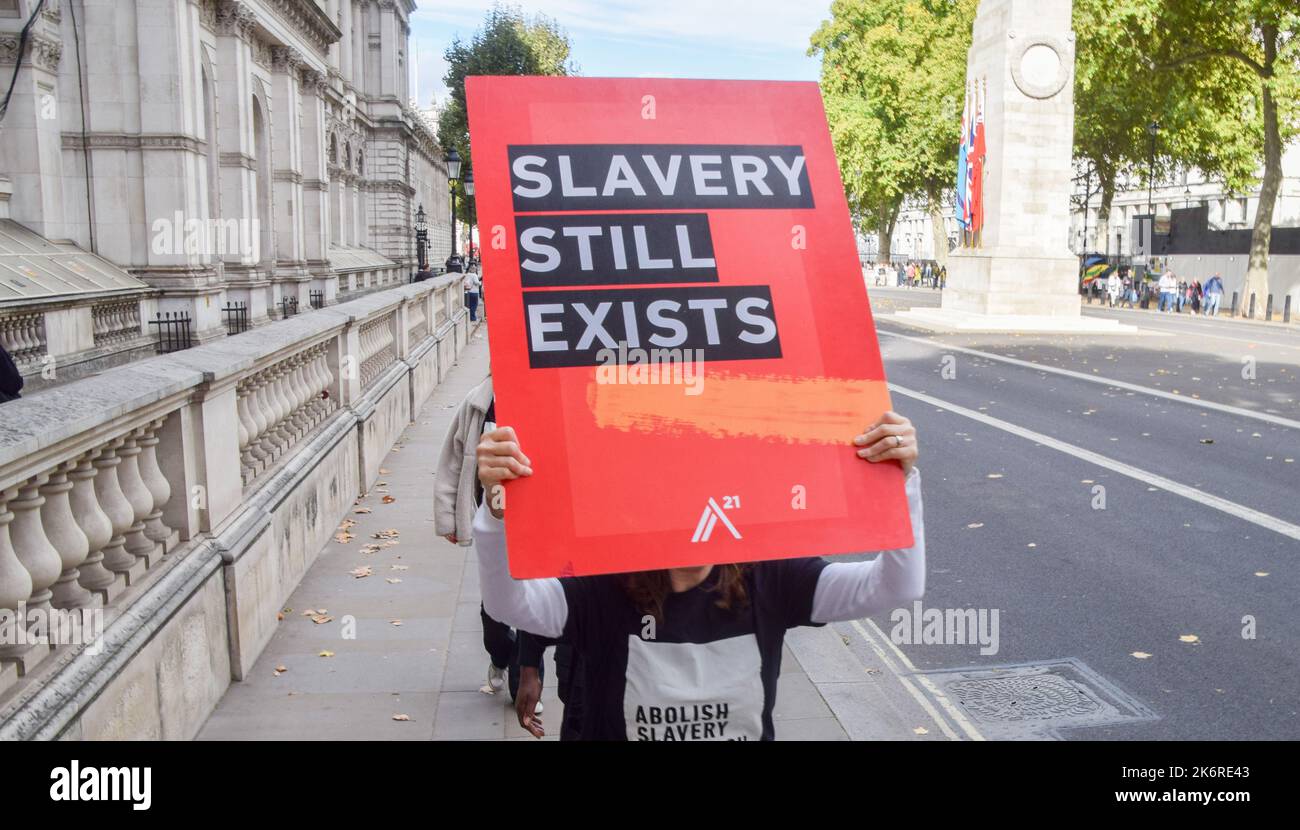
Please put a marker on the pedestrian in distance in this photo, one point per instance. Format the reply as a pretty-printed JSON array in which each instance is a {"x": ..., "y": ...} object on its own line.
[
  {"x": 691, "y": 653},
  {"x": 1113, "y": 286},
  {"x": 1168, "y": 287},
  {"x": 471, "y": 285},
  {"x": 1213, "y": 294}
]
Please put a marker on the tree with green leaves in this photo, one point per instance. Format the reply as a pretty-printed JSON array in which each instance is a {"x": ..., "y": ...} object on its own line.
[
  {"x": 893, "y": 79},
  {"x": 1119, "y": 91},
  {"x": 507, "y": 44},
  {"x": 1207, "y": 42}
]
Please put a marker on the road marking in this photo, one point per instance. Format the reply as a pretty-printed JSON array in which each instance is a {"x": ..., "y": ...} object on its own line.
[
  {"x": 953, "y": 712},
  {"x": 907, "y": 684},
  {"x": 1201, "y": 497},
  {"x": 1118, "y": 384},
  {"x": 1197, "y": 325}
]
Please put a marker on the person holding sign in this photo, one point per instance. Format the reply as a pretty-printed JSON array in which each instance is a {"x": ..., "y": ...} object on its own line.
[{"x": 691, "y": 653}]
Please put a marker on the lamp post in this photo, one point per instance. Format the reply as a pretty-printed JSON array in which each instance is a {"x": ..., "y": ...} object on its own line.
[
  {"x": 1187, "y": 198},
  {"x": 473, "y": 208},
  {"x": 421, "y": 234},
  {"x": 1152, "y": 128},
  {"x": 453, "y": 173}
]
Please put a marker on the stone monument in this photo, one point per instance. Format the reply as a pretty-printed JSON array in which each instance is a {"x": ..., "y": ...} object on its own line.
[{"x": 1019, "y": 274}]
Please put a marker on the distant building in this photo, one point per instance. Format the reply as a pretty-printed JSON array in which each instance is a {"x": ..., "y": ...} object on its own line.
[{"x": 202, "y": 154}]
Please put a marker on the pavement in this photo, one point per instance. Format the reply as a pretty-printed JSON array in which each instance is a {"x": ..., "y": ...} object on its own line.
[
  {"x": 1126, "y": 507},
  {"x": 405, "y": 659}
]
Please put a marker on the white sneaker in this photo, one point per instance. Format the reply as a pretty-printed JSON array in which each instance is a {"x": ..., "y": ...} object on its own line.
[
  {"x": 496, "y": 678},
  {"x": 537, "y": 710}
]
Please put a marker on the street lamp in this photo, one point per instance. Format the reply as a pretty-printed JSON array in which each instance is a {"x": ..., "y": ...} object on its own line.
[
  {"x": 1187, "y": 198},
  {"x": 469, "y": 191},
  {"x": 421, "y": 234},
  {"x": 453, "y": 173},
  {"x": 1152, "y": 128}
]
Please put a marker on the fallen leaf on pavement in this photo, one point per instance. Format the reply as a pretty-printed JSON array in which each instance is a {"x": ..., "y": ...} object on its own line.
[
  {"x": 1261, "y": 573},
  {"x": 327, "y": 654},
  {"x": 974, "y": 525},
  {"x": 394, "y": 622},
  {"x": 1189, "y": 638},
  {"x": 921, "y": 730},
  {"x": 401, "y": 717},
  {"x": 389, "y": 499},
  {"x": 321, "y": 619},
  {"x": 393, "y": 580},
  {"x": 362, "y": 510},
  {"x": 362, "y": 572},
  {"x": 1141, "y": 655}
]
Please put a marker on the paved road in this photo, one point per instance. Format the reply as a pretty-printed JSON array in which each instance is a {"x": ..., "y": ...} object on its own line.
[{"x": 1200, "y": 530}]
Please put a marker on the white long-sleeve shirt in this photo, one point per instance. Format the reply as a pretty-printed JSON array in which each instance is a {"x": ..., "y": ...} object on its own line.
[
  {"x": 696, "y": 672},
  {"x": 845, "y": 590}
]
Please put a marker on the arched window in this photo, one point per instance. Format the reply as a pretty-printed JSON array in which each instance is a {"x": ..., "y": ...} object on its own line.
[{"x": 360, "y": 162}]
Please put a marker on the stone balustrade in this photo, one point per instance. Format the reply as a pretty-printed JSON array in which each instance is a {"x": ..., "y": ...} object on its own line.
[{"x": 184, "y": 495}]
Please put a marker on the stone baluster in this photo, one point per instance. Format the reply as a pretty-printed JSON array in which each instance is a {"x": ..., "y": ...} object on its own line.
[
  {"x": 42, "y": 562},
  {"x": 258, "y": 410},
  {"x": 15, "y": 587},
  {"x": 246, "y": 429},
  {"x": 154, "y": 480},
  {"x": 67, "y": 538},
  {"x": 128, "y": 475},
  {"x": 280, "y": 430},
  {"x": 114, "y": 503},
  {"x": 97, "y": 526},
  {"x": 301, "y": 421}
]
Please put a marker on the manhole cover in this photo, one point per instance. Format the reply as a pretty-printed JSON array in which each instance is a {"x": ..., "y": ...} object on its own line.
[
  {"x": 1021, "y": 697},
  {"x": 1036, "y": 700}
]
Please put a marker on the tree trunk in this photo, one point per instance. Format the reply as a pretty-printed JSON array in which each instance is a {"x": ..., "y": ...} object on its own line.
[
  {"x": 888, "y": 217},
  {"x": 1107, "y": 176},
  {"x": 938, "y": 232},
  {"x": 1262, "y": 235}
]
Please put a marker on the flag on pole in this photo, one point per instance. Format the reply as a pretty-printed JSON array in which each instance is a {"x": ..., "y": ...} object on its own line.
[
  {"x": 961, "y": 163},
  {"x": 977, "y": 166}
]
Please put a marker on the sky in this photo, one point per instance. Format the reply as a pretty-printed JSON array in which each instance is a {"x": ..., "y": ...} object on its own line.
[{"x": 733, "y": 39}]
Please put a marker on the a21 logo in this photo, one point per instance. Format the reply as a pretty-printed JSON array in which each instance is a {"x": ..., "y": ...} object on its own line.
[{"x": 714, "y": 513}]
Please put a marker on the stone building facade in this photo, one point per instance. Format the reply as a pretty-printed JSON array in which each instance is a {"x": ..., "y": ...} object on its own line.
[{"x": 255, "y": 152}]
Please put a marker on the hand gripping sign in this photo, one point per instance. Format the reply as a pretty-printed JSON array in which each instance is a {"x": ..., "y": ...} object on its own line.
[{"x": 680, "y": 332}]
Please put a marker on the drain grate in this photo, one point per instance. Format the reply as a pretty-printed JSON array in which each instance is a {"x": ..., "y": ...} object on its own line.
[
  {"x": 1035, "y": 700},
  {"x": 1020, "y": 697}
]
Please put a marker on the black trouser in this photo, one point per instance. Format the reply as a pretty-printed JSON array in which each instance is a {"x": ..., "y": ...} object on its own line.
[{"x": 502, "y": 646}]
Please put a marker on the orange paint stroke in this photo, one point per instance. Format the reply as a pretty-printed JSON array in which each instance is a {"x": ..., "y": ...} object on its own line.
[{"x": 768, "y": 407}]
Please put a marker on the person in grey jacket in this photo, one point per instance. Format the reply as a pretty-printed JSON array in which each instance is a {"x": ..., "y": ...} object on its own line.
[{"x": 457, "y": 493}]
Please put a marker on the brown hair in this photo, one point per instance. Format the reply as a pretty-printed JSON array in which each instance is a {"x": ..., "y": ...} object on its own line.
[{"x": 648, "y": 590}]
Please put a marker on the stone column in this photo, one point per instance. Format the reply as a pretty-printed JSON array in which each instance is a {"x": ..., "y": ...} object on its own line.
[
  {"x": 291, "y": 264},
  {"x": 1019, "y": 275},
  {"x": 244, "y": 282},
  {"x": 31, "y": 149},
  {"x": 315, "y": 187},
  {"x": 171, "y": 165}
]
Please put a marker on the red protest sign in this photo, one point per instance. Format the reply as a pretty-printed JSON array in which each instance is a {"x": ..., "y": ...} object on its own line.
[{"x": 680, "y": 331}]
